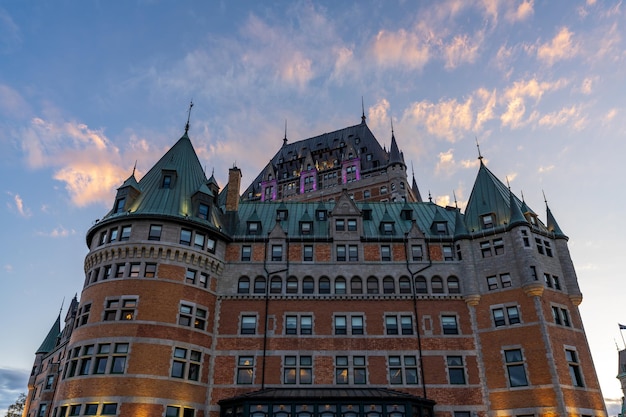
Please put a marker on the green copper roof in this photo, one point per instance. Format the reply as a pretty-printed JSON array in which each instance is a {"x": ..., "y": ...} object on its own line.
[
  {"x": 552, "y": 225},
  {"x": 50, "y": 342}
]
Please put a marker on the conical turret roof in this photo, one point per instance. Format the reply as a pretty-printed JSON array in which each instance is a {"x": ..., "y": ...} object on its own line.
[{"x": 50, "y": 342}]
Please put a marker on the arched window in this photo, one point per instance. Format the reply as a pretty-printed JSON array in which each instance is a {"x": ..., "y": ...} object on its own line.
[
  {"x": 389, "y": 286},
  {"x": 292, "y": 285},
  {"x": 436, "y": 284},
  {"x": 356, "y": 285},
  {"x": 372, "y": 285},
  {"x": 453, "y": 285},
  {"x": 259, "y": 285},
  {"x": 276, "y": 285},
  {"x": 340, "y": 285},
  {"x": 324, "y": 285},
  {"x": 308, "y": 286},
  {"x": 244, "y": 285},
  {"x": 420, "y": 285},
  {"x": 405, "y": 285}
]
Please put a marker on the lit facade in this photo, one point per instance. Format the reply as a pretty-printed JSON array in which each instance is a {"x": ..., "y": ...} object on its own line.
[{"x": 313, "y": 300}]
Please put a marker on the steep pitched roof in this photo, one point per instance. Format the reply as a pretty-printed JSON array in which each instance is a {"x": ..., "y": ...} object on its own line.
[
  {"x": 50, "y": 342},
  {"x": 395, "y": 156},
  {"x": 552, "y": 225}
]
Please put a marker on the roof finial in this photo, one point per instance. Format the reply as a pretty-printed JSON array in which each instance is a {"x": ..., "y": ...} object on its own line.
[
  {"x": 285, "y": 138},
  {"x": 455, "y": 202},
  {"x": 188, "y": 116},
  {"x": 134, "y": 168},
  {"x": 522, "y": 192},
  {"x": 391, "y": 126},
  {"x": 362, "y": 110},
  {"x": 545, "y": 200},
  {"x": 480, "y": 157},
  {"x": 508, "y": 184},
  {"x": 430, "y": 197},
  {"x": 61, "y": 309}
]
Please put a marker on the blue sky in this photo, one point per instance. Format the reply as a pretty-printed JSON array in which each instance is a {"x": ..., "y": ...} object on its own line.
[{"x": 88, "y": 88}]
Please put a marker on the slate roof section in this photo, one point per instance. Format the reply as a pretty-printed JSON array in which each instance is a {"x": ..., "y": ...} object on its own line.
[
  {"x": 325, "y": 148},
  {"x": 324, "y": 394},
  {"x": 50, "y": 342}
]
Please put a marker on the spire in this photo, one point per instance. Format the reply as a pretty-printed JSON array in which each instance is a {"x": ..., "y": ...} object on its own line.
[
  {"x": 362, "y": 111},
  {"x": 517, "y": 217},
  {"x": 50, "y": 342},
  {"x": 188, "y": 117},
  {"x": 460, "y": 230},
  {"x": 395, "y": 157},
  {"x": 285, "y": 138},
  {"x": 480, "y": 157},
  {"x": 552, "y": 225}
]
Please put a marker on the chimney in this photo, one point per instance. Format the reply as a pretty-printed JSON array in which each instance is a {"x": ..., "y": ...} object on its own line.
[{"x": 234, "y": 182}]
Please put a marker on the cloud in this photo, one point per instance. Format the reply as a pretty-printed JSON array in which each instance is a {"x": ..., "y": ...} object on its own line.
[
  {"x": 461, "y": 50},
  {"x": 515, "y": 99},
  {"x": 58, "y": 232},
  {"x": 18, "y": 205},
  {"x": 12, "y": 104},
  {"x": 10, "y": 34},
  {"x": 586, "y": 86},
  {"x": 561, "y": 47},
  {"x": 609, "y": 116},
  {"x": 544, "y": 169},
  {"x": 13, "y": 382},
  {"x": 567, "y": 115},
  {"x": 401, "y": 48},
  {"x": 522, "y": 12},
  {"x": 446, "y": 164}
]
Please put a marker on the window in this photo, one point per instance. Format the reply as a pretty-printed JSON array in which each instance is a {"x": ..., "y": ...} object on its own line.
[
  {"x": 85, "y": 361},
  {"x": 441, "y": 228},
  {"x": 120, "y": 309},
  {"x": 436, "y": 285},
  {"x": 383, "y": 189},
  {"x": 119, "y": 205},
  {"x": 203, "y": 211},
  {"x": 243, "y": 287},
  {"x": 299, "y": 324},
  {"x": 118, "y": 360},
  {"x": 210, "y": 245},
  {"x": 248, "y": 325},
  {"x": 372, "y": 285},
  {"x": 192, "y": 316},
  {"x": 298, "y": 370},
  {"x": 119, "y": 270},
  {"x": 109, "y": 409},
  {"x": 171, "y": 411},
  {"x": 277, "y": 252},
  {"x": 113, "y": 235},
  {"x": 42, "y": 410},
  {"x": 353, "y": 253},
  {"x": 386, "y": 228},
  {"x": 246, "y": 253},
  {"x": 449, "y": 325},
  {"x": 292, "y": 285},
  {"x": 367, "y": 194},
  {"x": 485, "y": 249},
  {"x": 254, "y": 228},
  {"x": 465, "y": 414},
  {"x": 543, "y": 247},
  {"x": 416, "y": 253},
  {"x": 198, "y": 241},
  {"x": 404, "y": 284},
  {"x": 402, "y": 370},
  {"x": 389, "y": 286},
  {"x": 453, "y": 285},
  {"x": 341, "y": 253},
  {"x": 350, "y": 371},
  {"x": 155, "y": 232},
  {"x": 356, "y": 323},
  {"x": 190, "y": 276},
  {"x": 561, "y": 316},
  {"x": 245, "y": 369},
  {"x": 552, "y": 281},
  {"x": 340, "y": 225},
  {"x": 259, "y": 285},
  {"x": 135, "y": 268},
  {"x": 456, "y": 369},
  {"x": 503, "y": 316},
  {"x": 356, "y": 285},
  {"x": 306, "y": 228},
  {"x": 276, "y": 285},
  {"x": 324, "y": 285},
  {"x": 574, "y": 368},
  {"x": 488, "y": 221},
  {"x": 308, "y": 285},
  {"x": 320, "y": 215},
  {"x": 186, "y": 364},
  {"x": 420, "y": 285},
  {"x": 340, "y": 325},
  {"x": 498, "y": 246},
  {"x": 515, "y": 367},
  {"x": 83, "y": 315},
  {"x": 91, "y": 409},
  {"x": 167, "y": 181},
  {"x": 525, "y": 238},
  {"x": 49, "y": 381},
  {"x": 391, "y": 324},
  {"x": 103, "y": 238},
  {"x": 352, "y": 225},
  {"x": 385, "y": 253},
  {"x": 185, "y": 237},
  {"x": 340, "y": 285},
  {"x": 107, "y": 272},
  {"x": 448, "y": 255},
  {"x": 492, "y": 282},
  {"x": 505, "y": 280},
  {"x": 307, "y": 253},
  {"x": 125, "y": 233},
  {"x": 204, "y": 280}
]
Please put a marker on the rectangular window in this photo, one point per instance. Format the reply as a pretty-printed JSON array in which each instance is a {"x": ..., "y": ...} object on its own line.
[
  {"x": 350, "y": 371},
  {"x": 539, "y": 244},
  {"x": 190, "y": 276},
  {"x": 113, "y": 235},
  {"x": 203, "y": 211},
  {"x": 119, "y": 205},
  {"x": 352, "y": 225},
  {"x": 385, "y": 253},
  {"x": 515, "y": 368},
  {"x": 340, "y": 225},
  {"x": 357, "y": 324},
  {"x": 546, "y": 278},
  {"x": 298, "y": 370},
  {"x": 83, "y": 315},
  {"x": 155, "y": 232},
  {"x": 299, "y": 325},
  {"x": 574, "y": 368},
  {"x": 246, "y": 253},
  {"x": 307, "y": 254},
  {"x": 503, "y": 316},
  {"x": 353, "y": 253},
  {"x": 485, "y": 249},
  {"x": 492, "y": 282},
  {"x": 125, "y": 233},
  {"x": 135, "y": 268},
  {"x": 118, "y": 360},
  {"x": 210, "y": 245},
  {"x": 192, "y": 316},
  {"x": 150, "y": 270},
  {"x": 185, "y": 237},
  {"x": 109, "y": 409},
  {"x": 341, "y": 253},
  {"x": 487, "y": 221},
  {"x": 449, "y": 325},
  {"x": 505, "y": 280},
  {"x": 198, "y": 241},
  {"x": 448, "y": 255},
  {"x": 498, "y": 246},
  {"x": 245, "y": 369},
  {"x": 406, "y": 325},
  {"x": 277, "y": 252},
  {"x": 306, "y": 228},
  {"x": 186, "y": 364},
  {"x": 340, "y": 325},
  {"x": 91, "y": 409},
  {"x": 120, "y": 309},
  {"x": 456, "y": 369},
  {"x": 525, "y": 238},
  {"x": 248, "y": 324},
  {"x": 119, "y": 270},
  {"x": 402, "y": 370},
  {"x": 416, "y": 253},
  {"x": 103, "y": 238},
  {"x": 391, "y": 324},
  {"x": 254, "y": 228}
]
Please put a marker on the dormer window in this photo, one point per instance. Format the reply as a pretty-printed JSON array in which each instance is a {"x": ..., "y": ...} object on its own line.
[
  {"x": 387, "y": 228},
  {"x": 321, "y": 215},
  {"x": 254, "y": 228},
  {"x": 203, "y": 211},
  {"x": 367, "y": 214},
  {"x": 306, "y": 228},
  {"x": 488, "y": 221},
  {"x": 119, "y": 205},
  {"x": 282, "y": 214},
  {"x": 167, "y": 181},
  {"x": 441, "y": 228},
  {"x": 352, "y": 225},
  {"x": 407, "y": 214},
  {"x": 532, "y": 218},
  {"x": 383, "y": 189}
]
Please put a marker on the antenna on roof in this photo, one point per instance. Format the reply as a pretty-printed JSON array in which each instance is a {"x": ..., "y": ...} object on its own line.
[
  {"x": 480, "y": 157},
  {"x": 188, "y": 116},
  {"x": 362, "y": 111}
]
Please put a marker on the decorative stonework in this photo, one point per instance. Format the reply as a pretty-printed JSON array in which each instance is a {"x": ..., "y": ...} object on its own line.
[{"x": 534, "y": 289}]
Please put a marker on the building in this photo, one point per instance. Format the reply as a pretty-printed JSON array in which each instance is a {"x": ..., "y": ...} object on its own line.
[
  {"x": 621, "y": 375},
  {"x": 310, "y": 296}
]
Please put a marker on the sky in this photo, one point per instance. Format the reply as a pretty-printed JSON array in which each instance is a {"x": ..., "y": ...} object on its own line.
[{"x": 89, "y": 89}]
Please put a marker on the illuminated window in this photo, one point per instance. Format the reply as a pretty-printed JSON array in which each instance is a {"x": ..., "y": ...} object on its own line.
[
  {"x": 245, "y": 369},
  {"x": 402, "y": 370},
  {"x": 350, "y": 370},
  {"x": 120, "y": 309},
  {"x": 192, "y": 316}
]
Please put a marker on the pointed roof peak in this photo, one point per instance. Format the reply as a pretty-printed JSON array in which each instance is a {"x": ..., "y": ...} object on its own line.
[
  {"x": 50, "y": 342},
  {"x": 285, "y": 138},
  {"x": 480, "y": 157},
  {"x": 188, "y": 117},
  {"x": 362, "y": 111}
]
